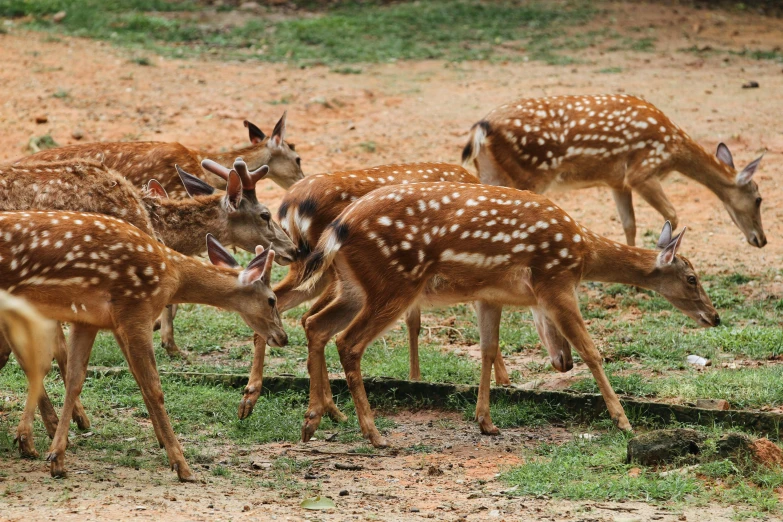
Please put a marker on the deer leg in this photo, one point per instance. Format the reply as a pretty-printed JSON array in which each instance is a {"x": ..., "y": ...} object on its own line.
[
  {"x": 557, "y": 345},
  {"x": 334, "y": 313},
  {"x": 167, "y": 331},
  {"x": 80, "y": 345},
  {"x": 140, "y": 353},
  {"x": 5, "y": 350},
  {"x": 378, "y": 313},
  {"x": 564, "y": 313},
  {"x": 652, "y": 192},
  {"x": 489, "y": 331},
  {"x": 47, "y": 412},
  {"x": 413, "y": 322},
  {"x": 255, "y": 380},
  {"x": 623, "y": 199}
]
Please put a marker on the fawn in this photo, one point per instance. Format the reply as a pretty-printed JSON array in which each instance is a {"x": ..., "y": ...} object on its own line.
[
  {"x": 442, "y": 243},
  {"x": 98, "y": 272},
  {"x": 619, "y": 141},
  {"x": 140, "y": 161}
]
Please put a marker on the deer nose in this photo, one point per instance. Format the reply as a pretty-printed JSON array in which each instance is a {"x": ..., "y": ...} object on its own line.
[
  {"x": 717, "y": 320},
  {"x": 758, "y": 240}
]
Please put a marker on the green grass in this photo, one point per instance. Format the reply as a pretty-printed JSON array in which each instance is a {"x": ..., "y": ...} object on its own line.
[
  {"x": 595, "y": 469},
  {"x": 344, "y": 33}
]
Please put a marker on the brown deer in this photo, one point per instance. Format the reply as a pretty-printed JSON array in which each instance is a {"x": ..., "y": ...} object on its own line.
[
  {"x": 140, "y": 161},
  {"x": 30, "y": 337},
  {"x": 234, "y": 217},
  {"x": 619, "y": 141},
  {"x": 98, "y": 272},
  {"x": 305, "y": 212},
  {"x": 442, "y": 243}
]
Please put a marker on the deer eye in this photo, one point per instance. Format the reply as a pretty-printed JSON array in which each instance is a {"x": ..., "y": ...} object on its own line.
[
  {"x": 272, "y": 302},
  {"x": 758, "y": 202},
  {"x": 298, "y": 162},
  {"x": 692, "y": 280},
  {"x": 266, "y": 216}
]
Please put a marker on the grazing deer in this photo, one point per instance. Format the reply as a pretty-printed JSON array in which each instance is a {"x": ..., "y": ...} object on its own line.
[
  {"x": 619, "y": 141},
  {"x": 305, "y": 212},
  {"x": 234, "y": 217},
  {"x": 442, "y": 243},
  {"x": 140, "y": 161},
  {"x": 30, "y": 337},
  {"x": 98, "y": 272}
]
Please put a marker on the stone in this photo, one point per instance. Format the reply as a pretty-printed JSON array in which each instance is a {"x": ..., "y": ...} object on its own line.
[
  {"x": 738, "y": 447},
  {"x": 59, "y": 17},
  {"x": 77, "y": 134},
  {"x": 713, "y": 404},
  {"x": 41, "y": 118},
  {"x": 664, "y": 446}
]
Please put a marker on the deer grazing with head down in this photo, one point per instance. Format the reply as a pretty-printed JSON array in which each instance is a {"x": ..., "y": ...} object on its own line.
[
  {"x": 141, "y": 161},
  {"x": 443, "y": 243},
  {"x": 305, "y": 212},
  {"x": 619, "y": 141},
  {"x": 98, "y": 272},
  {"x": 30, "y": 337}
]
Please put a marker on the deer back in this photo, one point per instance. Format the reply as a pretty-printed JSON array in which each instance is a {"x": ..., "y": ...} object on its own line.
[
  {"x": 313, "y": 203},
  {"x": 81, "y": 185}
]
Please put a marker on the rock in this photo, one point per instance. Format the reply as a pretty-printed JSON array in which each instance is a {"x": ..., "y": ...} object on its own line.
[
  {"x": 434, "y": 471},
  {"x": 663, "y": 446},
  {"x": 344, "y": 493},
  {"x": 698, "y": 361},
  {"x": 713, "y": 404},
  {"x": 59, "y": 17},
  {"x": 41, "y": 118},
  {"x": 738, "y": 446},
  {"x": 750, "y": 85},
  {"x": 77, "y": 134}
]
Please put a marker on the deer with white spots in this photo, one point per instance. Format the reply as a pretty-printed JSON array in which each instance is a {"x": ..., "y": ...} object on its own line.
[
  {"x": 98, "y": 272},
  {"x": 495, "y": 246},
  {"x": 30, "y": 337},
  {"x": 305, "y": 212},
  {"x": 619, "y": 141},
  {"x": 141, "y": 161}
]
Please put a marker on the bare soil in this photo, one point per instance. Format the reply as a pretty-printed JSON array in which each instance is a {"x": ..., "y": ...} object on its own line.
[{"x": 395, "y": 113}]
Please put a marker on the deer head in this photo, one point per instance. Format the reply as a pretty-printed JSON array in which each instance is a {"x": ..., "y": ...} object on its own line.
[
  {"x": 259, "y": 307},
  {"x": 743, "y": 200},
  {"x": 285, "y": 165},
  {"x": 248, "y": 222},
  {"x": 675, "y": 278}
]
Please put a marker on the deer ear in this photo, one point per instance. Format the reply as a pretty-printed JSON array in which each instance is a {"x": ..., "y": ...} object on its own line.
[
  {"x": 256, "y": 136},
  {"x": 155, "y": 189},
  {"x": 666, "y": 235},
  {"x": 259, "y": 250},
  {"x": 218, "y": 255},
  {"x": 234, "y": 190},
  {"x": 724, "y": 154},
  {"x": 747, "y": 173},
  {"x": 278, "y": 134},
  {"x": 193, "y": 185},
  {"x": 259, "y": 269},
  {"x": 666, "y": 257}
]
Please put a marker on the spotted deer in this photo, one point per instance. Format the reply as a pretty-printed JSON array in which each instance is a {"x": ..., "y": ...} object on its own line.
[
  {"x": 234, "y": 217},
  {"x": 141, "y": 161},
  {"x": 442, "y": 243},
  {"x": 98, "y": 272},
  {"x": 305, "y": 212},
  {"x": 30, "y": 337},
  {"x": 619, "y": 141}
]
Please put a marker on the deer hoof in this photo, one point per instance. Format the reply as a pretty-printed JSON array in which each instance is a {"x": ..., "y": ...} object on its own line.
[
  {"x": 309, "y": 427},
  {"x": 183, "y": 473},
  {"x": 378, "y": 441},
  {"x": 486, "y": 426},
  {"x": 26, "y": 447},
  {"x": 57, "y": 466},
  {"x": 623, "y": 424},
  {"x": 81, "y": 419},
  {"x": 246, "y": 406},
  {"x": 335, "y": 414}
]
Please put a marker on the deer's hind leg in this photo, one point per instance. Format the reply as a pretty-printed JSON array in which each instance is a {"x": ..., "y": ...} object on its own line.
[{"x": 623, "y": 199}]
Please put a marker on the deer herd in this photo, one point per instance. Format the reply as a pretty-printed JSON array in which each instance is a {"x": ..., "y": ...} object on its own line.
[{"x": 104, "y": 236}]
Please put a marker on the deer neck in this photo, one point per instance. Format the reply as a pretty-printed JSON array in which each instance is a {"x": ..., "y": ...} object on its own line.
[
  {"x": 201, "y": 283},
  {"x": 703, "y": 167},
  {"x": 613, "y": 262},
  {"x": 254, "y": 155},
  {"x": 183, "y": 224}
]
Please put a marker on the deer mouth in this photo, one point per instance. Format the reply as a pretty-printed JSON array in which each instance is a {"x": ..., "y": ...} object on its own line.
[
  {"x": 706, "y": 320},
  {"x": 277, "y": 339}
]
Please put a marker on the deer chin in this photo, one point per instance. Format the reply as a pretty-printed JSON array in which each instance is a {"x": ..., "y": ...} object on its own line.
[
  {"x": 708, "y": 320},
  {"x": 277, "y": 339}
]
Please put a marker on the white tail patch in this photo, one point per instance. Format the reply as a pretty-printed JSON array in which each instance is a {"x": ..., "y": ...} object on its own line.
[{"x": 478, "y": 138}]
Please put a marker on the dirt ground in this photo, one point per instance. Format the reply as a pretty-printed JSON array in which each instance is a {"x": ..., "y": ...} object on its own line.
[{"x": 411, "y": 112}]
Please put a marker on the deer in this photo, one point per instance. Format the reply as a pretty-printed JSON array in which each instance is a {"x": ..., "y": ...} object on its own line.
[
  {"x": 305, "y": 212},
  {"x": 140, "y": 161},
  {"x": 619, "y": 141},
  {"x": 443, "y": 243},
  {"x": 234, "y": 217},
  {"x": 98, "y": 272},
  {"x": 30, "y": 336}
]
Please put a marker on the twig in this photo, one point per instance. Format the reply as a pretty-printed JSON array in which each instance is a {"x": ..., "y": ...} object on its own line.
[
  {"x": 621, "y": 509},
  {"x": 341, "y": 453}
]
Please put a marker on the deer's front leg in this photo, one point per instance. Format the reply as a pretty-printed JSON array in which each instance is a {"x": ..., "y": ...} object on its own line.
[
  {"x": 81, "y": 341},
  {"x": 623, "y": 198},
  {"x": 61, "y": 356},
  {"x": 413, "y": 322},
  {"x": 652, "y": 192},
  {"x": 138, "y": 348},
  {"x": 255, "y": 380},
  {"x": 167, "y": 331},
  {"x": 489, "y": 331},
  {"x": 564, "y": 313}
]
